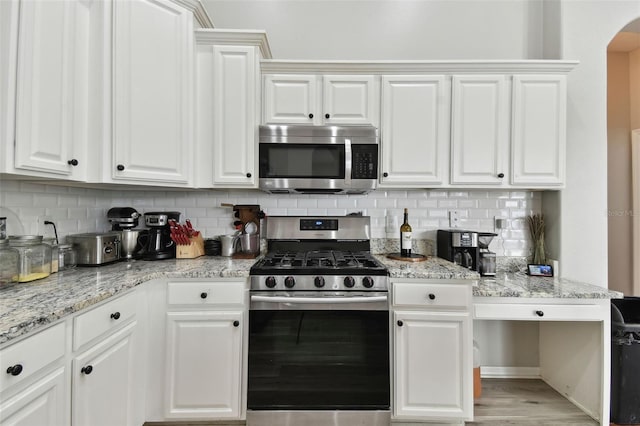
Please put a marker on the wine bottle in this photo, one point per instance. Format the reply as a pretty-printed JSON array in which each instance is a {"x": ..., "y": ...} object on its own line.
[{"x": 405, "y": 236}]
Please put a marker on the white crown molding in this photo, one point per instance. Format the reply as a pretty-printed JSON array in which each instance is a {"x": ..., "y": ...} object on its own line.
[
  {"x": 198, "y": 10},
  {"x": 236, "y": 37},
  {"x": 418, "y": 67}
]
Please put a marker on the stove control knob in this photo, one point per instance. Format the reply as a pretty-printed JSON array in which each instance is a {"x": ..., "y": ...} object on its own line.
[
  {"x": 289, "y": 282},
  {"x": 349, "y": 282},
  {"x": 319, "y": 282},
  {"x": 367, "y": 282},
  {"x": 270, "y": 282}
]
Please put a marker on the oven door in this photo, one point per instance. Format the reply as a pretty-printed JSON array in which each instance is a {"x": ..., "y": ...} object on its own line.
[{"x": 318, "y": 351}]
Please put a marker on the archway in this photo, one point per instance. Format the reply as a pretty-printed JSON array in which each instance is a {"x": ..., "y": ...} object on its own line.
[{"x": 623, "y": 116}]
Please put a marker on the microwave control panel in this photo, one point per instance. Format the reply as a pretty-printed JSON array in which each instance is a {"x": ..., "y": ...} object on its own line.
[{"x": 364, "y": 163}]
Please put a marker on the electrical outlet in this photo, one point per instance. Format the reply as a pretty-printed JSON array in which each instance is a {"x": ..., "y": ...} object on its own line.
[
  {"x": 499, "y": 223},
  {"x": 454, "y": 218}
]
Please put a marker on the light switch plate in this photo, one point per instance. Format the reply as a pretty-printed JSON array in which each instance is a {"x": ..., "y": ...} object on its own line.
[
  {"x": 454, "y": 218},
  {"x": 499, "y": 223}
]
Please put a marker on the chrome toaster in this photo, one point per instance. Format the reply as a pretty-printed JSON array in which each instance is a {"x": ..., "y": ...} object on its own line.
[{"x": 96, "y": 248}]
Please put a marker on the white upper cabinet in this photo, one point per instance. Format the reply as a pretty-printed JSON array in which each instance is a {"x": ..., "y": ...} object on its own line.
[
  {"x": 414, "y": 131},
  {"x": 320, "y": 99},
  {"x": 152, "y": 92},
  {"x": 350, "y": 99},
  {"x": 51, "y": 103},
  {"x": 479, "y": 130},
  {"x": 539, "y": 130},
  {"x": 291, "y": 99},
  {"x": 228, "y": 107}
]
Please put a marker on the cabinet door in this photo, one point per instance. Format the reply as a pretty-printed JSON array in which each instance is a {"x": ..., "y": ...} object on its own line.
[
  {"x": 433, "y": 365},
  {"x": 106, "y": 386},
  {"x": 479, "y": 130},
  {"x": 235, "y": 117},
  {"x": 539, "y": 130},
  {"x": 350, "y": 99},
  {"x": 291, "y": 99},
  {"x": 204, "y": 359},
  {"x": 152, "y": 85},
  {"x": 414, "y": 131},
  {"x": 44, "y": 403},
  {"x": 52, "y": 87}
]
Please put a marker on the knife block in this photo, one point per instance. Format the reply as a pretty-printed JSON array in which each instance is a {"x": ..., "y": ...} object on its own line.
[{"x": 191, "y": 251}]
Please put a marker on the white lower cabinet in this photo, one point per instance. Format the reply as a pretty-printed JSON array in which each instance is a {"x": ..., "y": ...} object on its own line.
[
  {"x": 105, "y": 383},
  {"x": 41, "y": 404},
  {"x": 432, "y": 347},
  {"x": 204, "y": 351}
]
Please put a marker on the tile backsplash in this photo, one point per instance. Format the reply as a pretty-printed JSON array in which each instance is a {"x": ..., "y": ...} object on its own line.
[{"x": 74, "y": 210}]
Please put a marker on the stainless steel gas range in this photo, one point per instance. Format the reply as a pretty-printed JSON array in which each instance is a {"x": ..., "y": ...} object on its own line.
[{"x": 319, "y": 325}]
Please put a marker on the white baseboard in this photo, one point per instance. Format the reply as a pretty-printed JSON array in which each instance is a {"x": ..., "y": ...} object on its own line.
[{"x": 510, "y": 372}]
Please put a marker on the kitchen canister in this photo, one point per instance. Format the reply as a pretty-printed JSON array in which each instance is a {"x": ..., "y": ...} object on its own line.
[
  {"x": 67, "y": 258},
  {"x": 9, "y": 263},
  {"x": 51, "y": 242},
  {"x": 35, "y": 257}
]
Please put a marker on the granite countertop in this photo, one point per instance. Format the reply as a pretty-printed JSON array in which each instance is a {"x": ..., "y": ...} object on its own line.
[{"x": 28, "y": 306}]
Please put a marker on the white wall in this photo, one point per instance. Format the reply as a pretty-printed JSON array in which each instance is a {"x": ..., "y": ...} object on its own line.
[
  {"x": 587, "y": 28},
  {"x": 389, "y": 29}
]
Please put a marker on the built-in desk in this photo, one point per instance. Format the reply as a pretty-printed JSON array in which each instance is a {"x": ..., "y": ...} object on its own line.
[{"x": 573, "y": 336}]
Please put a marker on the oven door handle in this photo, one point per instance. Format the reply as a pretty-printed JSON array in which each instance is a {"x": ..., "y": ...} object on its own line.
[{"x": 319, "y": 300}]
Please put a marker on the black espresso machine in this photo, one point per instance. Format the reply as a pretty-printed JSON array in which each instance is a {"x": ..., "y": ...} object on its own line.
[
  {"x": 160, "y": 245},
  {"x": 460, "y": 247}
]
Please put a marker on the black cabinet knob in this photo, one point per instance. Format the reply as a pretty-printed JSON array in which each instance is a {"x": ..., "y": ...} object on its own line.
[
  {"x": 15, "y": 370},
  {"x": 327, "y": 116},
  {"x": 86, "y": 370},
  {"x": 310, "y": 115},
  {"x": 540, "y": 313},
  {"x": 120, "y": 167},
  {"x": 432, "y": 296},
  {"x": 400, "y": 323},
  {"x": 500, "y": 175},
  {"x": 203, "y": 295},
  {"x": 248, "y": 175},
  {"x": 236, "y": 323},
  {"x": 115, "y": 315},
  {"x": 385, "y": 174},
  {"x": 73, "y": 162}
]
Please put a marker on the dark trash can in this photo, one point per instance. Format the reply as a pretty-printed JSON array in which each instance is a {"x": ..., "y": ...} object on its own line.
[{"x": 625, "y": 360}]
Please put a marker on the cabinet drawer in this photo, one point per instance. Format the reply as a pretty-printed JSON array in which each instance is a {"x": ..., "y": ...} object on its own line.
[
  {"x": 538, "y": 312},
  {"x": 432, "y": 295},
  {"x": 103, "y": 319},
  {"x": 30, "y": 355},
  {"x": 206, "y": 293}
]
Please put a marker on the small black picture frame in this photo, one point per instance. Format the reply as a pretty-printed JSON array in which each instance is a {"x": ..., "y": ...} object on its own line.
[{"x": 536, "y": 270}]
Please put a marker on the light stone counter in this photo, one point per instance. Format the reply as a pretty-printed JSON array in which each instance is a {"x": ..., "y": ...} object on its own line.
[
  {"x": 25, "y": 307},
  {"x": 30, "y": 306}
]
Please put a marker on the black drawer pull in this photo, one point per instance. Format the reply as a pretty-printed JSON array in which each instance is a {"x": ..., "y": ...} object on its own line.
[
  {"x": 385, "y": 174},
  {"x": 72, "y": 162},
  {"x": 236, "y": 323},
  {"x": 120, "y": 167},
  {"x": 327, "y": 116},
  {"x": 203, "y": 295},
  {"x": 540, "y": 313},
  {"x": 86, "y": 370},
  {"x": 115, "y": 315},
  {"x": 15, "y": 370},
  {"x": 432, "y": 296},
  {"x": 500, "y": 175},
  {"x": 310, "y": 115},
  {"x": 400, "y": 323}
]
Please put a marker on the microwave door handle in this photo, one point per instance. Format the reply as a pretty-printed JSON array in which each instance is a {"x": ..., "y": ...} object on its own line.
[{"x": 347, "y": 162}]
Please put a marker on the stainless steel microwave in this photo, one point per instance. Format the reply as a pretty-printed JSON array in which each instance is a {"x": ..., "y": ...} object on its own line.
[{"x": 318, "y": 159}]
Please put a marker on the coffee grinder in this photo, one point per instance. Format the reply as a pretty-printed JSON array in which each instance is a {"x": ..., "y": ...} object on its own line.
[
  {"x": 160, "y": 245},
  {"x": 487, "y": 261}
]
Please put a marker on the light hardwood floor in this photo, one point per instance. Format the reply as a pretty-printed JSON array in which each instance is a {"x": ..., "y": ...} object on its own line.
[
  {"x": 525, "y": 402},
  {"x": 505, "y": 402}
]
